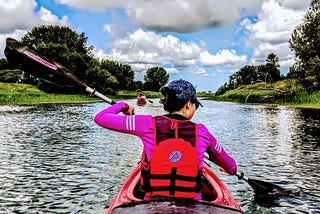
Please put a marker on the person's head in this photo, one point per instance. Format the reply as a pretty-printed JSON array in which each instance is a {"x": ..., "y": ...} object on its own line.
[{"x": 177, "y": 94}]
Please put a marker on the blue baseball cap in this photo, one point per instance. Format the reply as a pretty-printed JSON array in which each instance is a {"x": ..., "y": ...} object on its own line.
[{"x": 184, "y": 90}]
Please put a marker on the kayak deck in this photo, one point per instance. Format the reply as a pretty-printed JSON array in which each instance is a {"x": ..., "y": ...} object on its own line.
[
  {"x": 214, "y": 195},
  {"x": 173, "y": 206}
]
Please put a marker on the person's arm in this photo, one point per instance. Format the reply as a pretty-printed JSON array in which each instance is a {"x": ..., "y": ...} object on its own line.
[
  {"x": 111, "y": 119},
  {"x": 219, "y": 156}
]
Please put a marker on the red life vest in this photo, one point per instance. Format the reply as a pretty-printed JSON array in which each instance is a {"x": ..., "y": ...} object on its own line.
[
  {"x": 141, "y": 101},
  {"x": 173, "y": 167}
]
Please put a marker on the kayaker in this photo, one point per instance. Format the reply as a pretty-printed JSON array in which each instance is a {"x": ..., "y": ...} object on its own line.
[
  {"x": 141, "y": 100},
  {"x": 173, "y": 134}
]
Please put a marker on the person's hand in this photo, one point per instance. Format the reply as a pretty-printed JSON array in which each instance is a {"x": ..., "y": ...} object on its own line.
[
  {"x": 130, "y": 111},
  {"x": 222, "y": 170}
]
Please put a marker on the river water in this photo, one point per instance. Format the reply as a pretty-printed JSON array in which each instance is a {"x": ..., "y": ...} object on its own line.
[{"x": 54, "y": 159}]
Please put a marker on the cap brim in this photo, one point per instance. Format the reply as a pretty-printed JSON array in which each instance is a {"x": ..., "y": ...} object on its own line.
[{"x": 199, "y": 103}]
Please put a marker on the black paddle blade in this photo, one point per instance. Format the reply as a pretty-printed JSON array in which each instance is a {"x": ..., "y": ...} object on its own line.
[
  {"x": 267, "y": 189},
  {"x": 28, "y": 60}
]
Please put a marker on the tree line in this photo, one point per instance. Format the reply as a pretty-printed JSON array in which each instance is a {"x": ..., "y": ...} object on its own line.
[
  {"x": 304, "y": 42},
  {"x": 65, "y": 46}
]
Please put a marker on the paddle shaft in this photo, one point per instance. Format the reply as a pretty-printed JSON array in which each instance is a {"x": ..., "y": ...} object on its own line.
[
  {"x": 242, "y": 177},
  {"x": 99, "y": 95}
]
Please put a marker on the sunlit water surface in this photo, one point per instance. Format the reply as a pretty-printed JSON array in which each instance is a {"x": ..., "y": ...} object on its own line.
[{"x": 54, "y": 159}]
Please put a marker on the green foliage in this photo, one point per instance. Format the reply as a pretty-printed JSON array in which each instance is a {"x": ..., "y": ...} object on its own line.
[
  {"x": 11, "y": 76},
  {"x": 155, "y": 78},
  {"x": 272, "y": 68},
  {"x": 122, "y": 94},
  {"x": 101, "y": 78},
  {"x": 250, "y": 74},
  {"x": 123, "y": 74},
  {"x": 12, "y": 93},
  {"x": 305, "y": 39},
  {"x": 65, "y": 46},
  {"x": 222, "y": 89},
  {"x": 62, "y": 45},
  {"x": 4, "y": 64},
  {"x": 138, "y": 85},
  {"x": 284, "y": 92},
  {"x": 305, "y": 42}
]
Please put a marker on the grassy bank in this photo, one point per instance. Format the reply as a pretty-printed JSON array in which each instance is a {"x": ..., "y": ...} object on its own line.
[
  {"x": 279, "y": 94},
  {"x": 21, "y": 94}
]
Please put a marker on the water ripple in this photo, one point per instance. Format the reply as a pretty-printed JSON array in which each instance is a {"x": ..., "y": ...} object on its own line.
[{"x": 54, "y": 159}]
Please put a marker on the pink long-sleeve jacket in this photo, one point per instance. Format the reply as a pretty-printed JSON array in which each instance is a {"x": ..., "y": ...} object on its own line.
[{"x": 143, "y": 127}]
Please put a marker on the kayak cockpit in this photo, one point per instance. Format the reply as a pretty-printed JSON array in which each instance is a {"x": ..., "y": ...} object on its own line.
[
  {"x": 208, "y": 192},
  {"x": 174, "y": 206},
  {"x": 215, "y": 196}
]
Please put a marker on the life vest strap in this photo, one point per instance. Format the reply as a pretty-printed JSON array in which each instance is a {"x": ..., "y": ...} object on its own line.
[
  {"x": 145, "y": 175},
  {"x": 177, "y": 176},
  {"x": 176, "y": 188},
  {"x": 173, "y": 180}
]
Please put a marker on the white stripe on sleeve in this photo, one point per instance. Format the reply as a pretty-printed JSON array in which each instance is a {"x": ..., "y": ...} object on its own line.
[{"x": 130, "y": 122}]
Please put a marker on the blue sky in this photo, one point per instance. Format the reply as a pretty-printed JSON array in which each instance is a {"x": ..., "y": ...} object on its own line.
[{"x": 202, "y": 41}]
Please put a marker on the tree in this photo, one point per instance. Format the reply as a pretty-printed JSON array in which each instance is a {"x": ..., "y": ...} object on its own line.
[
  {"x": 305, "y": 39},
  {"x": 155, "y": 78},
  {"x": 123, "y": 74},
  {"x": 11, "y": 76},
  {"x": 272, "y": 67},
  {"x": 101, "y": 78},
  {"x": 138, "y": 85},
  {"x": 4, "y": 64},
  {"x": 63, "y": 45},
  {"x": 250, "y": 74},
  {"x": 222, "y": 89},
  {"x": 305, "y": 42},
  {"x": 126, "y": 77},
  {"x": 245, "y": 76}
]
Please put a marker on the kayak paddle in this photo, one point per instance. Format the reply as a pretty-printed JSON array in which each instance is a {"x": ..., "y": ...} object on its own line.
[
  {"x": 263, "y": 188},
  {"x": 48, "y": 71}
]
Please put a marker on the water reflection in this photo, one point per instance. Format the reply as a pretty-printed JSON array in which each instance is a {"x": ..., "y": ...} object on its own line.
[{"x": 54, "y": 159}]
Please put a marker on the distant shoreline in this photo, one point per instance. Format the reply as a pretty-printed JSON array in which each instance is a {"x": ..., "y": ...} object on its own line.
[{"x": 25, "y": 94}]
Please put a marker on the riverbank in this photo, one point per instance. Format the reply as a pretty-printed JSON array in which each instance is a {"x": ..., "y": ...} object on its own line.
[
  {"x": 269, "y": 97},
  {"x": 24, "y": 94}
]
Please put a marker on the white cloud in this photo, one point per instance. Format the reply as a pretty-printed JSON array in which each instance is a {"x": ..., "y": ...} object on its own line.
[
  {"x": 271, "y": 31},
  {"x": 185, "y": 16},
  {"x": 223, "y": 57},
  {"x": 17, "y": 14},
  {"x": 201, "y": 71},
  {"x": 177, "y": 16},
  {"x": 21, "y": 14},
  {"x": 172, "y": 70},
  {"x": 19, "y": 17},
  {"x": 45, "y": 17},
  {"x": 148, "y": 47},
  {"x": 100, "y": 53},
  {"x": 94, "y": 5},
  {"x": 295, "y": 4}
]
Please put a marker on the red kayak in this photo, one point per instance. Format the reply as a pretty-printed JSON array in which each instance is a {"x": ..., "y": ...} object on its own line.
[
  {"x": 141, "y": 102},
  {"x": 216, "y": 198}
]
